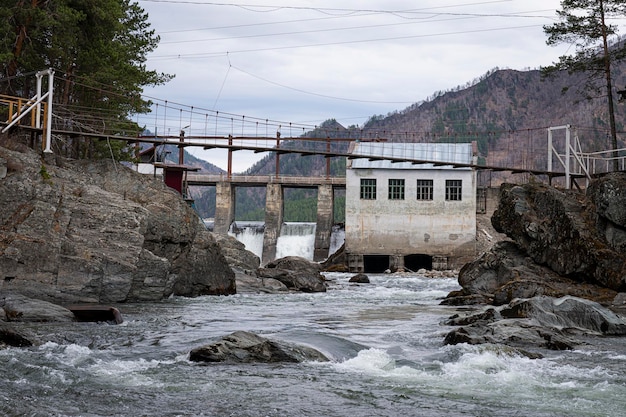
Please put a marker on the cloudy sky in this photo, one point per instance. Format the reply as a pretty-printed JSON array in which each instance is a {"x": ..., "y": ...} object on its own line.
[{"x": 302, "y": 62}]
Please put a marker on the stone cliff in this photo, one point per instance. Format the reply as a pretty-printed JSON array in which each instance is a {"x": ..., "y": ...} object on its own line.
[{"x": 96, "y": 231}]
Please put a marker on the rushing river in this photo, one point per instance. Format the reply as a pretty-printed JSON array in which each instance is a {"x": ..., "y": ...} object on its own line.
[{"x": 384, "y": 339}]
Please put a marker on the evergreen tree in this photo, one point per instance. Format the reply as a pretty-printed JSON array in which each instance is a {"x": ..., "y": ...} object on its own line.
[
  {"x": 98, "y": 50},
  {"x": 583, "y": 23}
]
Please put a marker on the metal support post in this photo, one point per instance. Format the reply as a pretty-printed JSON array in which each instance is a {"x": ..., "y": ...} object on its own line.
[{"x": 48, "y": 130}]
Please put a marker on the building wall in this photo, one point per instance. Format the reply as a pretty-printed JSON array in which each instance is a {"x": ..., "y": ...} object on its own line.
[{"x": 402, "y": 227}]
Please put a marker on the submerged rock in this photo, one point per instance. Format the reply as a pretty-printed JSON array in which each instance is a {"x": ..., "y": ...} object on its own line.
[
  {"x": 11, "y": 337},
  {"x": 543, "y": 322},
  {"x": 18, "y": 308},
  {"x": 360, "y": 279},
  {"x": 246, "y": 347}
]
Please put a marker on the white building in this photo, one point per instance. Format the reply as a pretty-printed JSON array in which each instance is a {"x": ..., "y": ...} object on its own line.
[{"x": 402, "y": 215}]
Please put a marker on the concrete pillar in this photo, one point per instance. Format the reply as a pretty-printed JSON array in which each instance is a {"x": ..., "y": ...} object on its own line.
[
  {"x": 396, "y": 263},
  {"x": 323, "y": 230},
  {"x": 224, "y": 207},
  {"x": 273, "y": 221}
]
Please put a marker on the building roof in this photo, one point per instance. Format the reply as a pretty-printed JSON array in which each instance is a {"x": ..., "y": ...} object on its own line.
[{"x": 432, "y": 153}]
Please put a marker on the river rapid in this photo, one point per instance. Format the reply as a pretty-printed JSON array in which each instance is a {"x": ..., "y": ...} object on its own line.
[{"x": 384, "y": 339}]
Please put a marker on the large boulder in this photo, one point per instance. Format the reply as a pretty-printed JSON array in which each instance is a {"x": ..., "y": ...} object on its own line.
[
  {"x": 236, "y": 254},
  {"x": 296, "y": 273},
  {"x": 246, "y": 347},
  {"x": 559, "y": 229},
  {"x": 98, "y": 232},
  {"x": 245, "y": 265}
]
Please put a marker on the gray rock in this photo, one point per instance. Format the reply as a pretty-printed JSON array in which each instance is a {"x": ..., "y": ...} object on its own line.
[
  {"x": 12, "y": 337},
  {"x": 18, "y": 308},
  {"x": 236, "y": 254},
  {"x": 505, "y": 273},
  {"x": 336, "y": 262},
  {"x": 97, "y": 232},
  {"x": 559, "y": 229},
  {"x": 254, "y": 284},
  {"x": 511, "y": 333},
  {"x": 296, "y": 273},
  {"x": 542, "y": 322},
  {"x": 360, "y": 279},
  {"x": 608, "y": 193},
  {"x": 567, "y": 313},
  {"x": 246, "y": 347},
  {"x": 3, "y": 168}
]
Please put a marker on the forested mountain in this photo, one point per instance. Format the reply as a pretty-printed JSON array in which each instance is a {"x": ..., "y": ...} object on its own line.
[{"x": 500, "y": 111}]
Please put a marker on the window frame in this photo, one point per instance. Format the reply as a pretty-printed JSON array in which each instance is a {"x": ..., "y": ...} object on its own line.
[
  {"x": 397, "y": 189},
  {"x": 425, "y": 190},
  {"x": 454, "y": 190},
  {"x": 367, "y": 189}
]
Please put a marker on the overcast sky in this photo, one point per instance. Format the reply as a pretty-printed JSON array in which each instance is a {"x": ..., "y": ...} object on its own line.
[{"x": 303, "y": 62}]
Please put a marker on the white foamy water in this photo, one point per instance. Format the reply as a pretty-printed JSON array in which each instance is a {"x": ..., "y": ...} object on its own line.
[
  {"x": 384, "y": 341},
  {"x": 296, "y": 239}
]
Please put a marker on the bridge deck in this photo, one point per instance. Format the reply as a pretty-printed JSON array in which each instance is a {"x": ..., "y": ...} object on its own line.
[
  {"x": 263, "y": 180},
  {"x": 241, "y": 143}
]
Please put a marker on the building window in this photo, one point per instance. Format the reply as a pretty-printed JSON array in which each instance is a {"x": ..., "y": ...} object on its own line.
[
  {"x": 453, "y": 190},
  {"x": 424, "y": 189},
  {"x": 368, "y": 189},
  {"x": 396, "y": 189}
]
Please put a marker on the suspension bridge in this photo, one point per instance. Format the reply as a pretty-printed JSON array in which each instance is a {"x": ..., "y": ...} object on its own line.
[{"x": 548, "y": 153}]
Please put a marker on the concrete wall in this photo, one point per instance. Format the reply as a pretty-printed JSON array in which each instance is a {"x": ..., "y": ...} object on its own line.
[{"x": 410, "y": 226}]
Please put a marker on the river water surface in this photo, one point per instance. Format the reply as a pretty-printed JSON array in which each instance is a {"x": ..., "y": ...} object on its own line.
[{"x": 384, "y": 340}]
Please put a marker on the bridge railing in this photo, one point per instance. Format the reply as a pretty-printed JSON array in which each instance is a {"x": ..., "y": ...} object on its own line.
[
  {"x": 11, "y": 107},
  {"x": 605, "y": 161},
  {"x": 264, "y": 179}
]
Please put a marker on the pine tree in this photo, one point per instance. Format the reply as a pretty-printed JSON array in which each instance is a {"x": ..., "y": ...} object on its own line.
[
  {"x": 98, "y": 50},
  {"x": 584, "y": 23}
]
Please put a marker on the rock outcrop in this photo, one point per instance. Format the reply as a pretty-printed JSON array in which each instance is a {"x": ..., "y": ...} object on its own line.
[
  {"x": 567, "y": 230},
  {"x": 506, "y": 272},
  {"x": 246, "y": 347},
  {"x": 96, "y": 231},
  {"x": 565, "y": 243}
]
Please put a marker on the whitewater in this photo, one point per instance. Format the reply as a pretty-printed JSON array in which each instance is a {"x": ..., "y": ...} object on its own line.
[{"x": 384, "y": 339}]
